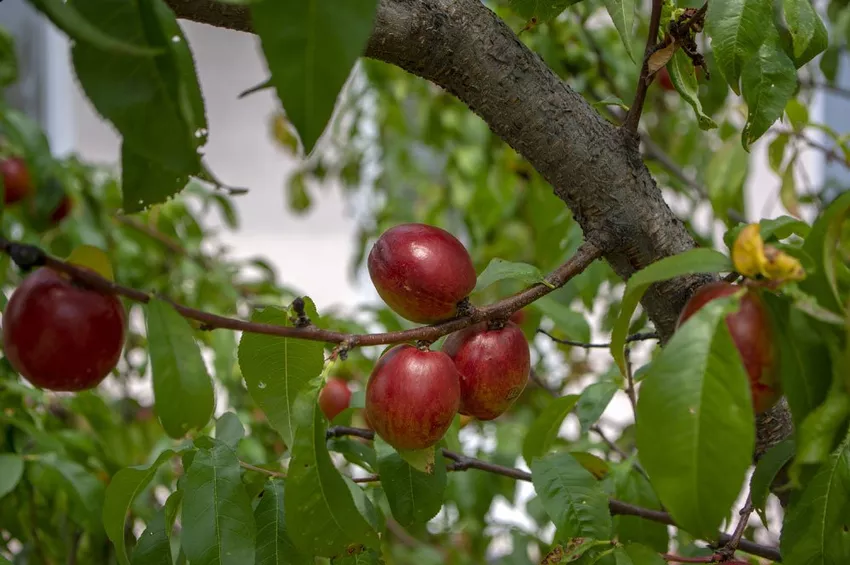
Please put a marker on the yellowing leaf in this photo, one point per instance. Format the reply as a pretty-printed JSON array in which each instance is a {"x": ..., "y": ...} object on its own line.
[
  {"x": 781, "y": 266},
  {"x": 752, "y": 258},
  {"x": 748, "y": 251},
  {"x": 92, "y": 258},
  {"x": 660, "y": 58}
]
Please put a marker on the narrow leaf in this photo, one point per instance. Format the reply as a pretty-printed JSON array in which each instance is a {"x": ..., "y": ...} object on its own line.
[
  {"x": 274, "y": 546},
  {"x": 218, "y": 524},
  {"x": 154, "y": 545},
  {"x": 684, "y": 79},
  {"x": 182, "y": 388},
  {"x": 414, "y": 497},
  {"x": 566, "y": 320},
  {"x": 276, "y": 369},
  {"x": 83, "y": 487},
  {"x": 11, "y": 469},
  {"x": 737, "y": 29},
  {"x": 123, "y": 489},
  {"x": 328, "y": 519},
  {"x": 695, "y": 414},
  {"x": 572, "y": 497},
  {"x": 766, "y": 471},
  {"x": 66, "y": 17},
  {"x": 725, "y": 176},
  {"x": 817, "y": 526},
  {"x": 499, "y": 269},
  {"x": 808, "y": 32},
  {"x": 622, "y": 13},
  {"x": 229, "y": 430},
  {"x": 636, "y": 554},
  {"x": 541, "y": 11},
  {"x": 544, "y": 430},
  {"x": 769, "y": 81},
  {"x": 311, "y": 47},
  {"x": 687, "y": 263},
  {"x": 593, "y": 402}
]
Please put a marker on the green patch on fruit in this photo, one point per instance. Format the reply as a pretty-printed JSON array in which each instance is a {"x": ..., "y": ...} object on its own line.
[
  {"x": 92, "y": 258},
  {"x": 420, "y": 459}
]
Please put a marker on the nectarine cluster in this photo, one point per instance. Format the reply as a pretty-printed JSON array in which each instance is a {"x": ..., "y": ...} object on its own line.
[
  {"x": 423, "y": 273},
  {"x": 753, "y": 337}
]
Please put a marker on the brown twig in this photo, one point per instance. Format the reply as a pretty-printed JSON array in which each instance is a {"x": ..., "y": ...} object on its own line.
[
  {"x": 630, "y": 381},
  {"x": 616, "y": 449},
  {"x": 636, "y": 109},
  {"x": 682, "y": 559},
  {"x": 269, "y": 472},
  {"x": 730, "y": 546},
  {"x": 632, "y": 338},
  {"x": 29, "y": 256},
  {"x": 617, "y": 507}
]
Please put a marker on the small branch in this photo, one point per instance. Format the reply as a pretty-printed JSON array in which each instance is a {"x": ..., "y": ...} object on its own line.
[
  {"x": 616, "y": 449},
  {"x": 29, "y": 256},
  {"x": 269, "y": 472},
  {"x": 682, "y": 559},
  {"x": 729, "y": 548},
  {"x": 636, "y": 109},
  {"x": 630, "y": 382},
  {"x": 630, "y": 339},
  {"x": 617, "y": 507},
  {"x": 843, "y": 92}
]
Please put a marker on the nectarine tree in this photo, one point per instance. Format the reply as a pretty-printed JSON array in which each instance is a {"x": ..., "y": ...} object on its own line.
[{"x": 563, "y": 362}]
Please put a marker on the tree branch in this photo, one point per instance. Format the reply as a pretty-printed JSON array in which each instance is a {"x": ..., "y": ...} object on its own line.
[
  {"x": 636, "y": 109},
  {"x": 462, "y": 46},
  {"x": 630, "y": 339},
  {"x": 28, "y": 256},
  {"x": 617, "y": 507}
]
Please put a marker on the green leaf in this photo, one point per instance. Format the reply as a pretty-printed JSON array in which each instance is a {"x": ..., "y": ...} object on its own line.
[
  {"x": 138, "y": 99},
  {"x": 818, "y": 245},
  {"x": 360, "y": 556},
  {"x": 783, "y": 227},
  {"x": 145, "y": 182},
  {"x": 776, "y": 151},
  {"x": 572, "y": 497},
  {"x": 11, "y": 470},
  {"x": 218, "y": 524},
  {"x": 769, "y": 81},
  {"x": 567, "y": 320},
  {"x": 328, "y": 519},
  {"x": 420, "y": 459},
  {"x": 414, "y": 497},
  {"x": 632, "y": 487},
  {"x": 154, "y": 545},
  {"x": 636, "y": 554},
  {"x": 8, "y": 60},
  {"x": 816, "y": 526},
  {"x": 541, "y": 10},
  {"x": 805, "y": 370},
  {"x": 499, "y": 269},
  {"x": 78, "y": 27},
  {"x": 808, "y": 33},
  {"x": 544, "y": 430},
  {"x": 797, "y": 113},
  {"x": 276, "y": 369},
  {"x": 311, "y": 47},
  {"x": 725, "y": 176},
  {"x": 182, "y": 388},
  {"x": 593, "y": 402},
  {"x": 123, "y": 489},
  {"x": 622, "y": 13},
  {"x": 816, "y": 436},
  {"x": 177, "y": 65},
  {"x": 83, "y": 487},
  {"x": 229, "y": 430},
  {"x": 690, "y": 262},
  {"x": 274, "y": 546},
  {"x": 737, "y": 29},
  {"x": 695, "y": 414},
  {"x": 684, "y": 79},
  {"x": 765, "y": 472}
]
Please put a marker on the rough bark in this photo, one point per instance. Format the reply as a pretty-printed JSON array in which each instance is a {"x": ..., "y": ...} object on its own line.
[{"x": 593, "y": 166}]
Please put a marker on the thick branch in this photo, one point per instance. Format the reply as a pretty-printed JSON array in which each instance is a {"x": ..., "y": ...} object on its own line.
[
  {"x": 28, "y": 256},
  {"x": 462, "y": 46}
]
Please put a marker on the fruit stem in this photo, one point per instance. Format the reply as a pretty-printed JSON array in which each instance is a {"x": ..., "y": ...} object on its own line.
[
  {"x": 424, "y": 344},
  {"x": 465, "y": 308},
  {"x": 302, "y": 320}
]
